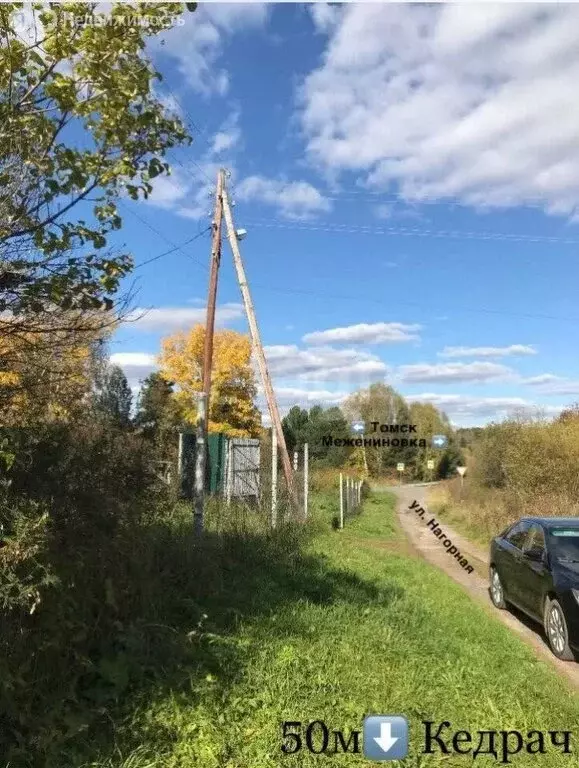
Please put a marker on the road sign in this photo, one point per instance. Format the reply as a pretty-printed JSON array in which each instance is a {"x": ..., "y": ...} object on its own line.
[
  {"x": 439, "y": 441},
  {"x": 400, "y": 467},
  {"x": 430, "y": 464},
  {"x": 385, "y": 737},
  {"x": 461, "y": 470}
]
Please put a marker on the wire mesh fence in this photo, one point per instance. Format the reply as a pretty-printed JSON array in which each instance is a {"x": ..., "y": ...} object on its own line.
[{"x": 350, "y": 497}]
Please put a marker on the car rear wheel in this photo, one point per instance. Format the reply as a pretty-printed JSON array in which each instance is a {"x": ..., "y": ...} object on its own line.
[
  {"x": 496, "y": 588},
  {"x": 556, "y": 630}
]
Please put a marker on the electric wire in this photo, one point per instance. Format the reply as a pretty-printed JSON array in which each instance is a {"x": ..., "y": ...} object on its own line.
[{"x": 414, "y": 232}]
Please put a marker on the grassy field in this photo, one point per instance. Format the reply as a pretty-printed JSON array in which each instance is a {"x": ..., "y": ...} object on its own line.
[
  {"x": 348, "y": 625},
  {"x": 478, "y": 518}
]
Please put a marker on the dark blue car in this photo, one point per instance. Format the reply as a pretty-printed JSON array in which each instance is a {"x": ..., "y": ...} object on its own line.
[{"x": 534, "y": 565}]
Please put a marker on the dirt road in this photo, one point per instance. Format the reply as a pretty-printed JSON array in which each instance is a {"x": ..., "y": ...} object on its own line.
[{"x": 430, "y": 547}]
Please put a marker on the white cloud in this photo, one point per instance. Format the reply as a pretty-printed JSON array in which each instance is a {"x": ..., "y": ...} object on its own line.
[
  {"x": 451, "y": 101},
  {"x": 324, "y": 16},
  {"x": 288, "y": 396},
  {"x": 294, "y": 199},
  {"x": 168, "y": 319},
  {"x": 227, "y": 137},
  {"x": 189, "y": 190},
  {"x": 465, "y": 409},
  {"x": 197, "y": 45},
  {"x": 364, "y": 333},
  {"x": 136, "y": 365},
  {"x": 550, "y": 384},
  {"x": 447, "y": 372},
  {"x": 323, "y": 364},
  {"x": 543, "y": 378},
  {"x": 169, "y": 190},
  {"x": 513, "y": 349}
]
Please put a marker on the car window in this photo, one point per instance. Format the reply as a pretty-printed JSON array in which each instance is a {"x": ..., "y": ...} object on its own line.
[
  {"x": 517, "y": 535},
  {"x": 536, "y": 539},
  {"x": 564, "y": 543}
]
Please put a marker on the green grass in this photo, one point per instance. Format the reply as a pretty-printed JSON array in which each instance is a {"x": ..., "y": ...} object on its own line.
[{"x": 348, "y": 626}]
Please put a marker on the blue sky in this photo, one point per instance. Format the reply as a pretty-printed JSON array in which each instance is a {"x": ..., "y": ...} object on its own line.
[{"x": 409, "y": 180}]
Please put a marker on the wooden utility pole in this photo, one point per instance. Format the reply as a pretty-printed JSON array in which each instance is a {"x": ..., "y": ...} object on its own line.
[
  {"x": 212, "y": 295},
  {"x": 258, "y": 348}
]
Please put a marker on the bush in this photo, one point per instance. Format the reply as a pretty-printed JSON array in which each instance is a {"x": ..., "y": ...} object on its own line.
[
  {"x": 104, "y": 586},
  {"x": 77, "y": 506}
]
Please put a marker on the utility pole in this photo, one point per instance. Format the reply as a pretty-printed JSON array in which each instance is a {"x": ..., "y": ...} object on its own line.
[
  {"x": 200, "y": 449},
  {"x": 258, "y": 348},
  {"x": 212, "y": 294}
]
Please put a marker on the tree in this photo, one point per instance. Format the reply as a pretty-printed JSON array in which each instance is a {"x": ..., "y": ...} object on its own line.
[
  {"x": 113, "y": 398},
  {"x": 383, "y": 404},
  {"x": 154, "y": 403},
  {"x": 293, "y": 425},
  {"x": 232, "y": 407},
  {"x": 429, "y": 422},
  {"x": 79, "y": 127},
  {"x": 569, "y": 414},
  {"x": 47, "y": 377},
  {"x": 301, "y": 426},
  {"x": 158, "y": 415}
]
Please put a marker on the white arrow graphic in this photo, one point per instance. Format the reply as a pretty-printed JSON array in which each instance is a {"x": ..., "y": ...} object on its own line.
[{"x": 385, "y": 741}]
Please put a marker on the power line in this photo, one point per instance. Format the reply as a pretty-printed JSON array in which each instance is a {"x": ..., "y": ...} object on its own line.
[
  {"x": 175, "y": 248},
  {"x": 416, "y": 232},
  {"x": 194, "y": 128},
  {"x": 401, "y": 199},
  {"x": 478, "y": 310}
]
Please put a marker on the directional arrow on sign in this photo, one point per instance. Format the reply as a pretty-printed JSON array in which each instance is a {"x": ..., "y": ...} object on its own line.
[{"x": 386, "y": 741}]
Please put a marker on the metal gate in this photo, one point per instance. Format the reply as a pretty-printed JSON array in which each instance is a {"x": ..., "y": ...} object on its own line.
[{"x": 242, "y": 467}]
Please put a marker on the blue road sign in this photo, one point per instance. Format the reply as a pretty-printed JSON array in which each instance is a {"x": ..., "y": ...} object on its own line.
[
  {"x": 439, "y": 441},
  {"x": 358, "y": 426},
  {"x": 385, "y": 737}
]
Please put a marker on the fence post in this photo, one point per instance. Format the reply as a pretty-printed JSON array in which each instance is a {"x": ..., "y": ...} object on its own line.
[
  {"x": 229, "y": 479},
  {"x": 273, "y": 477},
  {"x": 306, "y": 478},
  {"x": 180, "y": 457},
  {"x": 341, "y": 502},
  {"x": 200, "y": 448}
]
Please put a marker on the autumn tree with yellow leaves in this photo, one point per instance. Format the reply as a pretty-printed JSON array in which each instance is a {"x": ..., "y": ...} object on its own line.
[
  {"x": 232, "y": 408},
  {"x": 45, "y": 376}
]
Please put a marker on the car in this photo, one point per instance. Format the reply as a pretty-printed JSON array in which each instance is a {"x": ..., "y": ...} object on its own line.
[{"x": 534, "y": 565}]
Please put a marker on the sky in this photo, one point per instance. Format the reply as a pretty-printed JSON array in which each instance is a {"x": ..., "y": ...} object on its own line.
[{"x": 408, "y": 176}]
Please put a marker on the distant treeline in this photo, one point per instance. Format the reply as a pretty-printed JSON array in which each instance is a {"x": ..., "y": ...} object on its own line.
[
  {"x": 523, "y": 466},
  {"x": 382, "y": 404}
]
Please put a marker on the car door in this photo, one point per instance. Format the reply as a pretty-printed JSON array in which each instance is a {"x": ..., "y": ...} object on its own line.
[
  {"x": 533, "y": 574},
  {"x": 508, "y": 565}
]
